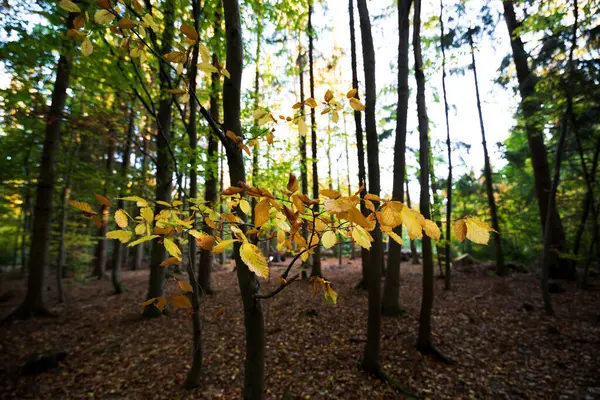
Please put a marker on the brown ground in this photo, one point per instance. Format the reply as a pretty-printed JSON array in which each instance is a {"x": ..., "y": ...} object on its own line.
[{"x": 313, "y": 348}]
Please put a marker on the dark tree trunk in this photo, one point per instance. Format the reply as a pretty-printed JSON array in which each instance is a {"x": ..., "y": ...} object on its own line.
[
  {"x": 303, "y": 163},
  {"x": 138, "y": 251},
  {"x": 413, "y": 247},
  {"x": 530, "y": 106},
  {"x": 247, "y": 280},
  {"x": 362, "y": 174},
  {"x": 447, "y": 275},
  {"x": 588, "y": 202},
  {"x": 101, "y": 257},
  {"x": 119, "y": 248},
  {"x": 391, "y": 289},
  {"x": 437, "y": 203},
  {"x": 371, "y": 355},
  {"x": 316, "y": 258},
  {"x": 33, "y": 304},
  {"x": 500, "y": 267},
  {"x": 164, "y": 173}
]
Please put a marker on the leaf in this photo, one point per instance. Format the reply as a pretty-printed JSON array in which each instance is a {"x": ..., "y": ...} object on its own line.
[
  {"x": 460, "y": 230},
  {"x": 371, "y": 196},
  {"x": 103, "y": 200},
  {"x": 172, "y": 248},
  {"x": 231, "y": 190},
  {"x": 361, "y": 237},
  {"x": 140, "y": 229},
  {"x": 396, "y": 237},
  {"x": 389, "y": 217},
  {"x": 410, "y": 219},
  {"x": 255, "y": 260},
  {"x": 86, "y": 47},
  {"x": 180, "y": 301},
  {"x": 207, "y": 67},
  {"x": 351, "y": 93},
  {"x": 245, "y": 206},
  {"x": 477, "y": 231},
  {"x": 186, "y": 287},
  {"x": 302, "y": 128},
  {"x": 341, "y": 204},
  {"x": 330, "y": 294},
  {"x": 292, "y": 184},
  {"x": 222, "y": 245},
  {"x": 82, "y": 205},
  {"x": 206, "y": 242},
  {"x": 103, "y": 17},
  {"x": 126, "y": 23},
  {"x": 329, "y": 239},
  {"x": 312, "y": 103},
  {"x": 261, "y": 213},
  {"x": 123, "y": 236},
  {"x": 142, "y": 240},
  {"x": 121, "y": 218},
  {"x": 332, "y": 194},
  {"x": 204, "y": 52},
  {"x": 432, "y": 230},
  {"x": 158, "y": 302},
  {"x": 259, "y": 113},
  {"x": 189, "y": 32},
  {"x": 356, "y": 104},
  {"x": 140, "y": 202},
  {"x": 147, "y": 214},
  {"x": 97, "y": 221},
  {"x": 79, "y": 21},
  {"x": 328, "y": 96},
  {"x": 69, "y": 6},
  {"x": 170, "y": 261}
]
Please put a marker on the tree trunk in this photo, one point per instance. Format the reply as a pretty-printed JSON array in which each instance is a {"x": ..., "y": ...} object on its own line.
[
  {"x": 247, "y": 281},
  {"x": 500, "y": 267},
  {"x": 424, "y": 342},
  {"x": 138, "y": 251},
  {"x": 362, "y": 174},
  {"x": 33, "y": 304},
  {"x": 413, "y": 247},
  {"x": 391, "y": 289},
  {"x": 530, "y": 106},
  {"x": 371, "y": 355},
  {"x": 164, "y": 173},
  {"x": 118, "y": 247},
  {"x": 101, "y": 257},
  {"x": 316, "y": 258},
  {"x": 348, "y": 176},
  {"x": 448, "y": 272}
]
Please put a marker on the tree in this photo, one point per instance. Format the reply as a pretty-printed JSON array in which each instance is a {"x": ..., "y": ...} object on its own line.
[
  {"x": 105, "y": 206},
  {"x": 391, "y": 289}
]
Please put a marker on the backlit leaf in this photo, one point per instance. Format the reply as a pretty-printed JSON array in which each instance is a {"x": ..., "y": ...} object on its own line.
[
  {"x": 432, "y": 230},
  {"x": 207, "y": 67},
  {"x": 103, "y": 200},
  {"x": 140, "y": 202},
  {"x": 312, "y": 103},
  {"x": 121, "y": 218},
  {"x": 189, "y": 32},
  {"x": 245, "y": 206},
  {"x": 82, "y": 205},
  {"x": 351, "y": 93},
  {"x": 86, "y": 47},
  {"x": 329, "y": 239},
  {"x": 356, "y": 104},
  {"x": 261, "y": 212},
  {"x": 255, "y": 260},
  {"x": 142, "y": 240},
  {"x": 460, "y": 230},
  {"x": 69, "y": 6},
  {"x": 223, "y": 244},
  {"x": 396, "y": 237},
  {"x": 103, "y": 17},
  {"x": 361, "y": 237},
  {"x": 121, "y": 235},
  {"x": 147, "y": 214},
  {"x": 172, "y": 248}
]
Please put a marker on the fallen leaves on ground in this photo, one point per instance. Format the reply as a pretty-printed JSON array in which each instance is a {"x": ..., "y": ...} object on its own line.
[{"x": 313, "y": 348}]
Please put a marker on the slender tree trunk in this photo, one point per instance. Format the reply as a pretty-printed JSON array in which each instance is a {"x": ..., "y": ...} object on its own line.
[
  {"x": 316, "y": 258},
  {"x": 413, "y": 247},
  {"x": 362, "y": 174},
  {"x": 588, "y": 202},
  {"x": 391, "y": 289},
  {"x": 118, "y": 247},
  {"x": 164, "y": 173},
  {"x": 101, "y": 246},
  {"x": 348, "y": 176},
  {"x": 303, "y": 162},
  {"x": 371, "y": 355},
  {"x": 221, "y": 187},
  {"x": 33, "y": 304},
  {"x": 248, "y": 283},
  {"x": 138, "y": 251},
  {"x": 448, "y": 272},
  {"x": 500, "y": 267},
  {"x": 435, "y": 212},
  {"x": 530, "y": 105}
]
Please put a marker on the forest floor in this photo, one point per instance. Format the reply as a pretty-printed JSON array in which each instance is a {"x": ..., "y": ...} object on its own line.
[{"x": 503, "y": 349}]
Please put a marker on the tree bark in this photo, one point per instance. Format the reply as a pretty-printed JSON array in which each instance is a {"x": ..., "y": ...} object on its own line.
[
  {"x": 101, "y": 257},
  {"x": 33, "y": 304},
  {"x": 247, "y": 281},
  {"x": 391, "y": 289},
  {"x": 371, "y": 361},
  {"x": 530, "y": 106},
  {"x": 164, "y": 173},
  {"x": 362, "y": 174},
  {"x": 413, "y": 247},
  {"x": 138, "y": 251},
  {"x": 500, "y": 267}
]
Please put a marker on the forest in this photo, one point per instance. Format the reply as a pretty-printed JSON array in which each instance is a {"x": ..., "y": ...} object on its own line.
[{"x": 296, "y": 199}]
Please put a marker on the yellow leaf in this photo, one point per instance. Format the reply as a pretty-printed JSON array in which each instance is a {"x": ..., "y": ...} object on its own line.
[
  {"x": 142, "y": 240},
  {"x": 389, "y": 217},
  {"x": 204, "y": 53},
  {"x": 195, "y": 233},
  {"x": 330, "y": 294},
  {"x": 369, "y": 204},
  {"x": 245, "y": 206},
  {"x": 147, "y": 214},
  {"x": 255, "y": 260},
  {"x": 351, "y": 93},
  {"x": 356, "y": 104},
  {"x": 140, "y": 229},
  {"x": 431, "y": 229},
  {"x": 149, "y": 301},
  {"x": 261, "y": 213},
  {"x": 177, "y": 203},
  {"x": 332, "y": 194},
  {"x": 410, "y": 219},
  {"x": 206, "y": 242},
  {"x": 170, "y": 261},
  {"x": 69, "y": 6},
  {"x": 103, "y": 17},
  {"x": 335, "y": 117},
  {"x": 189, "y": 31},
  {"x": 329, "y": 239},
  {"x": 103, "y": 200},
  {"x": 180, "y": 301},
  {"x": 207, "y": 67},
  {"x": 82, "y": 205},
  {"x": 225, "y": 73},
  {"x": 310, "y": 102},
  {"x": 328, "y": 96},
  {"x": 396, "y": 237},
  {"x": 298, "y": 203},
  {"x": 172, "y": 248},
  {"x": 126, "y": 23},
  {"x": 371, "y": 196},
  {"x": 341, "y": 204},
  {"x": 123, "y": 236},
  {"x": 259, "y": 113},
  {"x": 302, "y": 128},
  {"x": 186, "y": 287},
  {"x": 86, "y": 47},
  {"x": 161, "y": 303},
  {"x": 223, "y": 244},
  {"x": 460, "y": 230},
  {"x": 361, "y": 237},
  {"x": 231, "y": 190},
  {"x": 477, "y": 231},
  {"x": 280, "y": 236},
  {"x": 140, "y": 202},
  {"x": 121, "y": 218}
]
